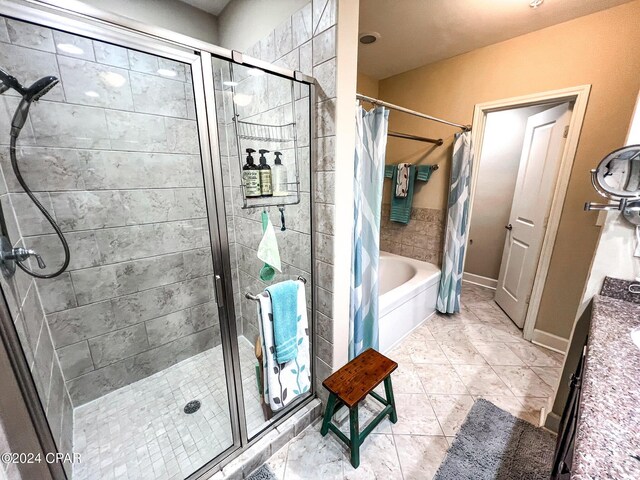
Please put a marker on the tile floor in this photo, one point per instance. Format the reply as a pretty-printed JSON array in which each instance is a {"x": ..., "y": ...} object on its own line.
[
  {"x": 444, "y": 366},
  {"x": 141, "y": 432}
]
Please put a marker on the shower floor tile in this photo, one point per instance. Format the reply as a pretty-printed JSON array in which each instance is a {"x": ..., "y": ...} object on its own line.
[{"x": 141, "y": 431}]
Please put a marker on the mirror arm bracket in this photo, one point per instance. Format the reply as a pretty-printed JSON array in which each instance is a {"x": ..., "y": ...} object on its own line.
[{"x": 621, "y": 205}]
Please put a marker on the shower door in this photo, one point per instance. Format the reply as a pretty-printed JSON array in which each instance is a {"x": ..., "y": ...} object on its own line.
[
  {"x": 270, "y": 114},
  {"x": 129, "y": 348}
]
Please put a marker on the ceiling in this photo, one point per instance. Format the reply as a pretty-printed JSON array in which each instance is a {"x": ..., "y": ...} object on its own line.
[
  {"x": 214, "y": 7},
  {"x": 419, "y": 32}
]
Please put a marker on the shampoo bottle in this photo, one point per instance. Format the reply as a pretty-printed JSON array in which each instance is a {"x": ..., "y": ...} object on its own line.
[
  {"x": 251, "y": 176},
  {"x": 279, "y": 177},
  {"x": 265, "y": 175}
]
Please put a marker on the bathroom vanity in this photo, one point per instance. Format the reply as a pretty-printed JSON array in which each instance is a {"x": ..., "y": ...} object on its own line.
[{"x": 600, "y": 434}]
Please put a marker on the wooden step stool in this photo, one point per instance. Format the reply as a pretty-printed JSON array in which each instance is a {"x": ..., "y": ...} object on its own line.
[{"x": 349, "y": 386}]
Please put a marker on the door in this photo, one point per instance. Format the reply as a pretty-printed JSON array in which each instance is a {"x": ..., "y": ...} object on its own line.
[
  {"x": 262, "y": 112},
  {"x": 129, "y": 347},
  {"x": 539, "y": 164}
]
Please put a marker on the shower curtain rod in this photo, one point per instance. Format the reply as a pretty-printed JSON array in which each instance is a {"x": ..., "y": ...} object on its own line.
[
  {"x": 407, "y": 136},
  {"x": 375, "y": 101}
]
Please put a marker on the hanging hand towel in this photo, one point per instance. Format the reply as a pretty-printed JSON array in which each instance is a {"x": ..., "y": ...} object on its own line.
[
  {"x": 637, "y": 252},
  {"x": 424, "y": 172},
  {"x": 284, "y": 298},
  {"x": 402, "y": 180},
  {"x": 401, "y": 207},
  {"x": 268, "y": 250},
  {"x": 284, "y": 382}
]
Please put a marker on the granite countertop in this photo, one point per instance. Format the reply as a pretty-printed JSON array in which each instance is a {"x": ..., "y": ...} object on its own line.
[{"x": 609, "y": 418}]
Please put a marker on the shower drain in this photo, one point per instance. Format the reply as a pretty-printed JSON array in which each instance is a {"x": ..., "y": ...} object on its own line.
[{"x": 192, "y": 407}]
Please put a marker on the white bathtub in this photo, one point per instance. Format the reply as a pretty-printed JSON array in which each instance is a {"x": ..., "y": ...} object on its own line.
[{"x": 408, "y": 294}]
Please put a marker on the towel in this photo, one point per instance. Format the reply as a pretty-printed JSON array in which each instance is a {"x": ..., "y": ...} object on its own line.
[
  {"x": 284, "y": 298},
  {"x": 268, "y": 250},
  {"x": 283, "y": 383},
  {"x": 424, "y": 172},
  {"x": 401, "y": 207},
  {"x": 402, "y": 180}
]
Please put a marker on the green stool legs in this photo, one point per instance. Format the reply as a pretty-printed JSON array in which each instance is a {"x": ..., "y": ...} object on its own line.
[
  {"x": 355, "y": 436},
  {"x": 388, "y": 389},
  {"x": 328, "y": 413}
]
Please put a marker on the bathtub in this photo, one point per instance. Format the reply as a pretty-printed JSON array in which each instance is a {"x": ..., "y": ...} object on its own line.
[{"x": 408, "y": 293}]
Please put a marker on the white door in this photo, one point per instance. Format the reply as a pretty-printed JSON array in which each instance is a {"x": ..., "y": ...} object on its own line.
[{"x": 544, "y": 141}]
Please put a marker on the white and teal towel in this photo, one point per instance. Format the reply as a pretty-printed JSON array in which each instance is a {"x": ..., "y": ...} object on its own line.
[
  {"x": 268, "y": 250},
  {"x": 284, "y": 382},
  {"x": 402, "y": 180},
  {"x": 401, "y": 206}
]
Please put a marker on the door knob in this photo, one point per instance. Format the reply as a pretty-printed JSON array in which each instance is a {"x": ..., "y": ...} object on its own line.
[{"x": 509, "y": 227}]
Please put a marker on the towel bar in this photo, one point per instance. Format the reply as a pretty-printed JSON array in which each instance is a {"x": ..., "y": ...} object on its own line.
[{"x": 255, "y": 297}]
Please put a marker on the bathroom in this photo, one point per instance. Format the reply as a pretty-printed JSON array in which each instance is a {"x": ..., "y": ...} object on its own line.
[{"x": 144, "y": 355}]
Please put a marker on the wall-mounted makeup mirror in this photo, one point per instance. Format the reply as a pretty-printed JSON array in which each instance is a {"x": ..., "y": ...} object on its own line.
[{"x": 618, "y": 178}]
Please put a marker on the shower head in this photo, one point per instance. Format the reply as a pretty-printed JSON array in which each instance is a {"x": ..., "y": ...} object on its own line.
[
  {"x": 29, "y": 95},
  {"x": 9, "y": 81},
  {"x": 39, "y": 88}
]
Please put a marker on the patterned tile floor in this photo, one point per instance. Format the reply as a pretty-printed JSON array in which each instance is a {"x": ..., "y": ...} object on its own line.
[
  {"x": 445, "y": 365},
  {"x": 141, "y": 432}
]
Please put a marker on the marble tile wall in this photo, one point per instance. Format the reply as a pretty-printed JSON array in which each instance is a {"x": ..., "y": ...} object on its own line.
[
  {"x": 24, "y": 302},
  {"x": 421, "y": 239},
  {"x": 313, "y": 35},
  {"x": 113, "y": 153},
  {"x": 305, "y": 42},
  {"x": 271, "y": 105}
]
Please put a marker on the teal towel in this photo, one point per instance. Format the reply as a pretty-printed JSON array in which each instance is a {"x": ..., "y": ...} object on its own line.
[
  {"x": 389, "y": 170},
  {"x": 284, "y": 304},
  {"x": 424, "y": 172},
  {"x": 401, "y": 207}
]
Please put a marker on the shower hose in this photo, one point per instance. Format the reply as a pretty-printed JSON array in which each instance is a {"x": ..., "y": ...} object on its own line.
[{"x": 47, "y": 215}]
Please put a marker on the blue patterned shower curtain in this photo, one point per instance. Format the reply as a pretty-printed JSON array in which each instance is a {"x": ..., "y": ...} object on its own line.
[
  {"x": 371, "y": 143},
  {"x": 457, "y": 225}
]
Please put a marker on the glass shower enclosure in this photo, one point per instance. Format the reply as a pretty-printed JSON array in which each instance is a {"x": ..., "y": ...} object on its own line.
[{"x": 145, "y": 355}]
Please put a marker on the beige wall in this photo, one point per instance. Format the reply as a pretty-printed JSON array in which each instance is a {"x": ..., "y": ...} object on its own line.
[
  {"x": 497, "y": 175},
  {"x": 170, "y": 14},
  {"x": 367, "y": 85},
  {"x": 613, "y": 258},
  {"x": 614, "y": 255},
  {"x": 598, "y": 49}
]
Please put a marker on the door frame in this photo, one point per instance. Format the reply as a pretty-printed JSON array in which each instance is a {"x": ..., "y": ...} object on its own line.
[{"x": 579, "y": 95}]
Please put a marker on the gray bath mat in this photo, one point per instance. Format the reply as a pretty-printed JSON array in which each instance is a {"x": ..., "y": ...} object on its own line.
[
  {"x": 493, "y": 444},
  {"x": 263, "y": 473}
]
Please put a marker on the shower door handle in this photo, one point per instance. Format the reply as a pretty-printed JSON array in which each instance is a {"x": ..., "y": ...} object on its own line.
[{"x": 218, "y": 291}]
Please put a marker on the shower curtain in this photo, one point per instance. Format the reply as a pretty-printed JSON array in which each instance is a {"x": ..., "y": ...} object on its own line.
[
  {"x": 457, "y": 225},
  {"x": 371, "y": 143}
]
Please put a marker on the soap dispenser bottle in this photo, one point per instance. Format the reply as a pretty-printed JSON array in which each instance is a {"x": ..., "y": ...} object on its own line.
[
  {"x": 265, "y": 175},
  {"x": 279, "y": 177},
  {"x": 251, "y": 177}
]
